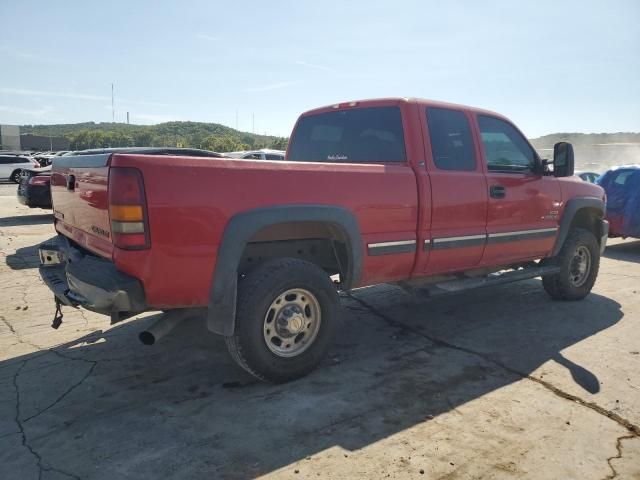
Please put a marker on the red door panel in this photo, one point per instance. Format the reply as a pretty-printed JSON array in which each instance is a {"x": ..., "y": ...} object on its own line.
[
  {"x": 458, "y": 192},
  {"x": 522, "y": 216},
  {"x": 523, "y": 224}
]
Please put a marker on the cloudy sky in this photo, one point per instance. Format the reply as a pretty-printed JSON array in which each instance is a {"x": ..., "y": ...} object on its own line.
[{"x": 549, "y": 65}]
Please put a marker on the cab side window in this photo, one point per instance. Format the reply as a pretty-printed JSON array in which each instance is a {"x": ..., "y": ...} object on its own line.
[
  {"x": 451, "y": 140},
  {"x": 505, "y": 149}
]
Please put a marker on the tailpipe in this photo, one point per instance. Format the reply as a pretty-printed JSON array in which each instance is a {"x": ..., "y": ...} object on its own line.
[{"x": 162, "y": 326}]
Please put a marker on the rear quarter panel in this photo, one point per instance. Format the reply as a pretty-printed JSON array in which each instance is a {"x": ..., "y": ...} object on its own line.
[{"x": 190, "y": 201}]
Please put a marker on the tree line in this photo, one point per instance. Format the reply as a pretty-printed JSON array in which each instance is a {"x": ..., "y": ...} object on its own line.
[{"x": 208, "y": 136}]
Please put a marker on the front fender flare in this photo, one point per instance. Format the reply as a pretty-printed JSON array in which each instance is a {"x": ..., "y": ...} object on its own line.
[
  {"x": 239, "y": 230},
  {"x": 570, "y": 210}
]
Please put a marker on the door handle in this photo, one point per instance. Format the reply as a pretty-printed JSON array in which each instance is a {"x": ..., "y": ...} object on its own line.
[{"x": 497, "y": 191}]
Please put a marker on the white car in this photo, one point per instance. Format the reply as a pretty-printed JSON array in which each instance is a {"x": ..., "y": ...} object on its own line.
[
  {"x": 11, "y": 166},
  {"x": 262, "y": 154}
]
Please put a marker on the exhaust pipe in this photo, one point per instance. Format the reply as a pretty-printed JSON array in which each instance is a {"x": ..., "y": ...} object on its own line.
[{"x": 162, "y": 326}]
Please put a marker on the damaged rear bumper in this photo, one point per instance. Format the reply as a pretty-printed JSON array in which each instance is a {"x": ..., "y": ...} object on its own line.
[{"x": 77, "y": 278}]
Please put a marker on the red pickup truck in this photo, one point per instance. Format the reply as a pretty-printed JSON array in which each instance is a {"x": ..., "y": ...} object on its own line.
[{"x": 399, "y": 190}]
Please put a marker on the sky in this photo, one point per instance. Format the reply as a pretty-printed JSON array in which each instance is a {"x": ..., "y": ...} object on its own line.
[{"x": 550, "y": 66}]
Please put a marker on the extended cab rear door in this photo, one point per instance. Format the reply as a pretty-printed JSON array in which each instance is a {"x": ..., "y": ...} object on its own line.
[
  {"x": 523, "y": 213},
  {"x": 459, "y": 192}
]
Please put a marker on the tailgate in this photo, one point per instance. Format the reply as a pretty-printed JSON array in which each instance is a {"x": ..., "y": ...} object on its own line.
[{"x": 80, "y": 200}]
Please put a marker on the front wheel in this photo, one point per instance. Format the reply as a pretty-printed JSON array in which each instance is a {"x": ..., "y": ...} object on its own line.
[
  {"x": 579, "y": 261},
  {"x": 285, "y": 319}
]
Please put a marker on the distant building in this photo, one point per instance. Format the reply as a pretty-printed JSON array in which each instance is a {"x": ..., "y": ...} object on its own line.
[
  {"x": 29, "y": 141},
  {"x": 9, "y": 137}
]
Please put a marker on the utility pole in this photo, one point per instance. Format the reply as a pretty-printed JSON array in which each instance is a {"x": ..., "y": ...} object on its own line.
[
  {"x": 113, "y": 112},
  {"x": 127, "y": 118}
]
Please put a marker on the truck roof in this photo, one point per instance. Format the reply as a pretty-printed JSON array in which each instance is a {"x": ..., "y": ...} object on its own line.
[{"x": 377, "y": 102}]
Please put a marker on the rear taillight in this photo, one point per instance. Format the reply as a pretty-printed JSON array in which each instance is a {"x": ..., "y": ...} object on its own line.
[
  {"x": 40, "y": 180},
  {"x": 128, "y": 209},
  {"x": 36, "y": 164}
]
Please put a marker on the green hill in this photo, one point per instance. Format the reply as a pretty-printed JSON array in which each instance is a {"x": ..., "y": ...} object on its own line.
[{"x": 210, "y": 136}]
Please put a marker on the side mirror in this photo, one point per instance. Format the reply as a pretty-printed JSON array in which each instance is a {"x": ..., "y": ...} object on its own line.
[{"x": 563, "y": 164}]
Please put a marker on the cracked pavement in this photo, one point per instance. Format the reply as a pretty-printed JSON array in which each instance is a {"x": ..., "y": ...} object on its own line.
[{"x": 495, "y": 383}]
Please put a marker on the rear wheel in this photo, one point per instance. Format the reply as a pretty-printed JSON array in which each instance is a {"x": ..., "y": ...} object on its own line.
[
  {"x": 579, "y": 261},
  {"x": 285, "y": 320},
  {"x": 15, "y": 176}
]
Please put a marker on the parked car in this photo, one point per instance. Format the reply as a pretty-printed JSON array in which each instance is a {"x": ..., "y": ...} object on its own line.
[
  {"x": 34, "y": 189},
  {"x": 43, "y": 157},
  {"x": 263, "y": 154},
  {"x": 590, "y": 177},
  {"x": 49, "y": 159},
  {"x": 622, "y": 186},
  {"x": 402, "y": 191},
  {"x": 11, "y": 166}
]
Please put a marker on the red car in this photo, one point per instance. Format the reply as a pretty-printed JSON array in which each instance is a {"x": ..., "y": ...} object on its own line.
[{"x": 388, "y": 190}]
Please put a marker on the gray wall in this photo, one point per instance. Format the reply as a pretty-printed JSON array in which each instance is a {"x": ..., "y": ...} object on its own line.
[{"x": 10, "y": 137}]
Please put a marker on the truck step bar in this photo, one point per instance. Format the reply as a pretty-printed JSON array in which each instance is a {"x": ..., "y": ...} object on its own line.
[{"x": 498, "y": 278}]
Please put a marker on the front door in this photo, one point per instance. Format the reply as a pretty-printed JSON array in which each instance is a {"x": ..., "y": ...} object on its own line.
[{"x": 522, "y": 218}]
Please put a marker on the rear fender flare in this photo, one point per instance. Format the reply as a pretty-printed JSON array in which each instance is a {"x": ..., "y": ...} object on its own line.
[{"x": 239, "y": 230}]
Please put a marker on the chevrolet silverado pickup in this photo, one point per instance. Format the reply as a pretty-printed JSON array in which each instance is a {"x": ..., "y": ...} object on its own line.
[{"x": 406, "y": 191}]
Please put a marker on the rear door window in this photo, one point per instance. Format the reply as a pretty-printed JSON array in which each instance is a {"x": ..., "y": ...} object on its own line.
[
  {"x": 357, "y": 135},
  {"x": 451, "y": 140}
]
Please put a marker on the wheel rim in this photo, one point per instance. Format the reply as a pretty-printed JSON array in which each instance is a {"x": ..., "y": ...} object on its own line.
[
  {"x": 292, "y": 322},
  {"x": 580, "y": 266}
]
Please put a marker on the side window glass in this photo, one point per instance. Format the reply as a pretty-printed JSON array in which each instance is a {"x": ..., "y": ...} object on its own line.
[
  {"x": 451, "y": 140},
  {"x": 622, "y": 177},
  {"x": 505, "y": 149}
]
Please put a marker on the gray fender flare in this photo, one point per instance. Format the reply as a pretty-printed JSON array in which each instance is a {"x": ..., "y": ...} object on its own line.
[
  {"x": 574, "y": 205},
  {"x": 239, "y": 230}
]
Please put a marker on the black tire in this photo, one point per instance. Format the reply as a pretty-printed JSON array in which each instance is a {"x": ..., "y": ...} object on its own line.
[
  {"x": 15, "y": 176},
  {"x": 563, "y": 285},
  {"x": 257, "y": 293}
]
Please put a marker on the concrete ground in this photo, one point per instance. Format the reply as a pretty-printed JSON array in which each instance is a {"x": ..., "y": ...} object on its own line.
[{"x": 496, "y": 383}]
